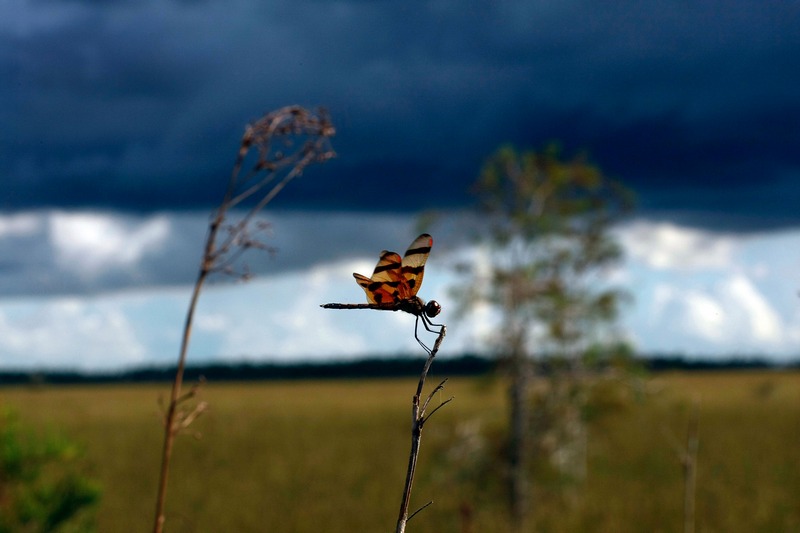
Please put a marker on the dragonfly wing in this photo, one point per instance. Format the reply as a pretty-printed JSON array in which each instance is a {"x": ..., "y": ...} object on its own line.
[
  {"x": 413, "y": 265},
  {"x": 388, "y": 268},
  {"x": 378, "y": 292}
]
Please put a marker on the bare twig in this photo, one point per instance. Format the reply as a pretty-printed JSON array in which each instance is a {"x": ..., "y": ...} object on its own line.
[
  {"x": 689, "y": 461},
  {"x": 412, "y": 515},
  {"x": 438, "y": 388},
  {"x": 418, "y": 420},
  {"x": 687, "y": 456},
  {"x": 286, "y": 142}
]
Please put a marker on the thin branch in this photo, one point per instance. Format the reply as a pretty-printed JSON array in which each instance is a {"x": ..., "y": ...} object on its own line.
[
  {"x": 241, "y": 197},
  {"x": 316, "y": 151},
  {"x": 426, "y": 418},
  {"x": 417, "y": 422},
  {"x": 412, "y": 515},
  {"x": 436, "y": 389},
  {"x": 687, "y": 457},
  {"x": 193, "y": 392},
  {"x": 198, "y": 410},
  {"x": 690, "y": 469}
]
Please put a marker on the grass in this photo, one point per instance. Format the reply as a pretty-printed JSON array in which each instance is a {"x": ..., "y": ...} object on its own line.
[{"x": 331, "y": 455}]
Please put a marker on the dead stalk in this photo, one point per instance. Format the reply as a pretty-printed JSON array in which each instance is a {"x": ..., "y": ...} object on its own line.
[
  {"x": 418, "y": 419},
  {"x": 687, "y": 456},
  {"x": 286, "y": 141},
  {"x": 689, "y": 461}
]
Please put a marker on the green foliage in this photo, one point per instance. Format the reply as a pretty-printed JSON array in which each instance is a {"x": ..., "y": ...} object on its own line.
[
  {"x": 547, "y": 222},
  {"x": 40, "y": 486}
]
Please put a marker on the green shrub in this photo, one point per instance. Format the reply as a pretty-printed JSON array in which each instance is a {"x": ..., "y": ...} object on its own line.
[{"x": 41, "y": 487}]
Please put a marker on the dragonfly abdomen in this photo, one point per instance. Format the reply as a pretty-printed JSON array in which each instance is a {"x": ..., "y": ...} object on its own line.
[{"x": 389, "y": 307}]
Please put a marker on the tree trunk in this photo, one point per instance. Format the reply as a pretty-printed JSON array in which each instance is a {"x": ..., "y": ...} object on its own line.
[{"x": 519, "y": 497}]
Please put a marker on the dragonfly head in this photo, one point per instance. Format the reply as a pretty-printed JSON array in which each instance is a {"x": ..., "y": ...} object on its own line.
[{"x": 432, "y": 308}]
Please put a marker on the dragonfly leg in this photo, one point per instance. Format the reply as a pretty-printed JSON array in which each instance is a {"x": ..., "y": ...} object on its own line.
[
  {"x": 428, "y": 325},
  {"x": 416, "y": 336}
]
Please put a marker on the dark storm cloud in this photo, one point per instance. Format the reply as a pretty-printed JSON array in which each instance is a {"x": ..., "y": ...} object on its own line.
[
  {"x": 89, "y": 252},
  {"x": 140, "y": 105}
]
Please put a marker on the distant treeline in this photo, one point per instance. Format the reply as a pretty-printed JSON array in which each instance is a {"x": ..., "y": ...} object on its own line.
[{"x": 467, "y": 365}]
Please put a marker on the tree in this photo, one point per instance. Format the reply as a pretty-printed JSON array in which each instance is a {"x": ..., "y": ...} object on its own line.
[{"x": 545, "y": 222}]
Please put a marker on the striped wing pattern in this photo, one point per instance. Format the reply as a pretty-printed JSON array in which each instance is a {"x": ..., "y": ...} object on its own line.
[
  {"x": 413, "y": 269},
  {"x": 393, "y": 279}
]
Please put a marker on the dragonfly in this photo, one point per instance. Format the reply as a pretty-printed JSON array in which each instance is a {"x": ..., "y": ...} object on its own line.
[{"x": 394, "y": 285}]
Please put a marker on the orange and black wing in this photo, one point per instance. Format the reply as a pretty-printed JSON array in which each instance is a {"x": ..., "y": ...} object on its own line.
[
  {"x": 388, "y": 267},
  {"x": 413, "y": 266},
  {"x": 378, "y": 292},
  {"x": 383, "y": 287}
]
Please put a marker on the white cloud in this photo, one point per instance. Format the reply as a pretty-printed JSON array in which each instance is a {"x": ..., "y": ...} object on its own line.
[
  {"x": 704, "y": 293},
  {"x": 19, "y": 225},
  {"x": 667, "y": 246},
  {"x": 67, "y": 333},
  {"x": 91, "y": 242},
  {"x": 704, "y": 316},
  {"x": 761, "y": 321},
  {"x": 728, "y": 317},
  {"x": 740, "y": 299}
]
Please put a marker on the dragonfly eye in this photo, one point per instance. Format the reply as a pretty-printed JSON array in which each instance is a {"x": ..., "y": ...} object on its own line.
[{"x": 433, "y": 308}]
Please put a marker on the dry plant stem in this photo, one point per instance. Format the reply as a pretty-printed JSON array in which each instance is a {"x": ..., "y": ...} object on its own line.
[
  {"x": 170, "y": 425},
  {"x": 289, "y": 125},
  {"x": 418, "y": 419},
  {"x": 687, "y": 456},
  {"x": 690, "y": 469}
]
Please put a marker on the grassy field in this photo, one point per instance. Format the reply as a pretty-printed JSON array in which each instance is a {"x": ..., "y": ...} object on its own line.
[{"x": 331, "y": 456}]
